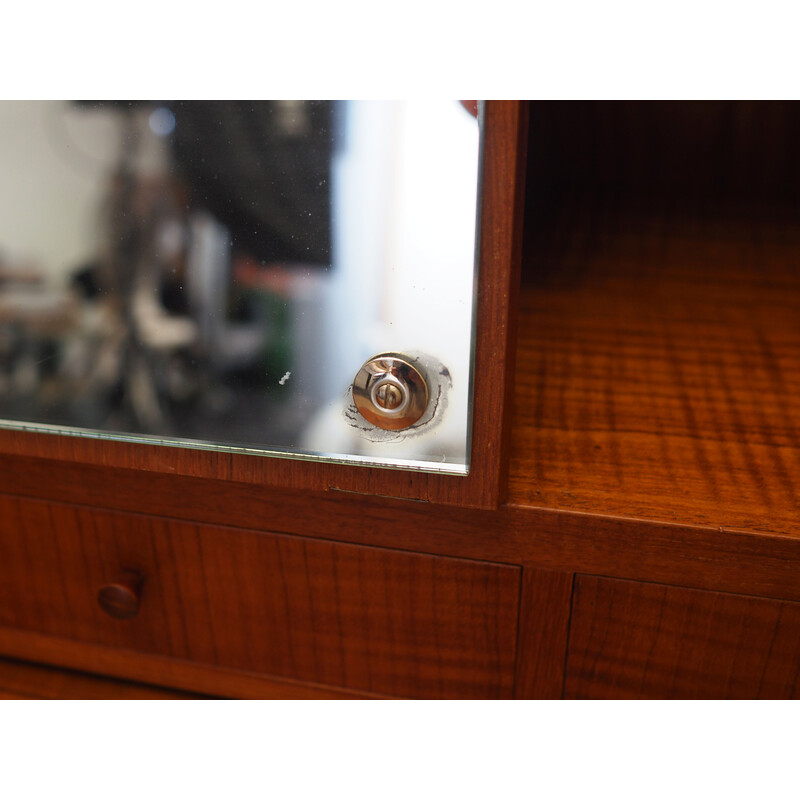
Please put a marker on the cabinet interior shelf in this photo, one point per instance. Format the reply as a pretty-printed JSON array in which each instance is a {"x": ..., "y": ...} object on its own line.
[{"x": 658, "y": 366}]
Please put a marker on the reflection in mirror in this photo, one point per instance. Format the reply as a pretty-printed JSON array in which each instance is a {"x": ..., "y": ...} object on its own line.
[{"x": 215, "y": 274}]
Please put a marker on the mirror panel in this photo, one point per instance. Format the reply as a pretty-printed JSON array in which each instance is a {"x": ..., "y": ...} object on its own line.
[{"x": 215, "y": 274}]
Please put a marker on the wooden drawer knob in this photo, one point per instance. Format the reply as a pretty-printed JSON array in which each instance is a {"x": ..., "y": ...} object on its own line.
[{"x": 120, "y": 599}]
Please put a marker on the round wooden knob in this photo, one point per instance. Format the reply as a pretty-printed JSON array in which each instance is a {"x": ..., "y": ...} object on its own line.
[{"x": 120, "y": 599}]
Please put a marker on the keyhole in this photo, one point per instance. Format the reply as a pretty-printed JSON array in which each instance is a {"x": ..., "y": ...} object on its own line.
[{"x": 389, "y": 396}]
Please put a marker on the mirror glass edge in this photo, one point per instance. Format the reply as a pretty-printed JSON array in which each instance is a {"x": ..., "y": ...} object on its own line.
[{"x": 443, "y": 468}]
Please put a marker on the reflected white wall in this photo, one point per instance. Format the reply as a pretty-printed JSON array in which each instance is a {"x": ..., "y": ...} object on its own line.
[
  {"x": 50, "y": 189},
  {"x": 55, "y": 162},
  {"x": 405, "y": 193}
]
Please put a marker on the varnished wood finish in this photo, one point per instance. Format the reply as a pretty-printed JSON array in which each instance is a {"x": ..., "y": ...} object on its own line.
[
  {"x": 359, "y": 618},
  {"x": 501, "y": 204},
  {"x": 24, "y": 681},
  {"x": 630, "y": 640},
  {"x": 654, "y": 441},
  {"x": 660, "y": 373},
  {"x": 191, "y": 676},
  {"x": 764, "y": 564},
  {"x": 543, "y": 632},
  {"x": 659, "y": 348}
]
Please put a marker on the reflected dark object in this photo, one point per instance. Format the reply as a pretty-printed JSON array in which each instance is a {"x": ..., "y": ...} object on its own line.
[{"x": 263, "y": 170}]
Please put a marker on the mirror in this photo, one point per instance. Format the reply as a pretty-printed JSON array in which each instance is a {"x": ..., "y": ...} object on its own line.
[{"x": 215, "y": 274}]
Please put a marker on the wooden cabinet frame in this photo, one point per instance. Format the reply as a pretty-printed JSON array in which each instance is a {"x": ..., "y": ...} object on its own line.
[{"x": 500, "y": 512}]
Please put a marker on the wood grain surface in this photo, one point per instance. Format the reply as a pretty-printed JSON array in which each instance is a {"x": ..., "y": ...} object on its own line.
[
  {"x": 659, "y": 374},
  {"x": 654, "y": 440},
  {"x": 631, "y": 640},
  {"x": 543, "y": 632},
  {"x": 658, "y": 371},
  {"x": 762, "y": 564},
  {"x": 190, "y": 676},
  {"x": 359, "y": 618},
  {"x": 23, "y": 681}
]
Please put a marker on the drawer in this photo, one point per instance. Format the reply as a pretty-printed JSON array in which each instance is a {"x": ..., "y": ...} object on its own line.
[
  {"x": 362, "y": 618},
  {"x": 631, "y": 640}
]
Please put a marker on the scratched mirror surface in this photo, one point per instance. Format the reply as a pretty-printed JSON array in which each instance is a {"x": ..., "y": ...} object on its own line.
[{"x": 215, "y": 275}]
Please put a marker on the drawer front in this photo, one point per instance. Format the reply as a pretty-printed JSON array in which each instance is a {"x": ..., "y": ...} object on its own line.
[
  {"x": 631, "y": 640},
  {"x": 362, "y": 618}
]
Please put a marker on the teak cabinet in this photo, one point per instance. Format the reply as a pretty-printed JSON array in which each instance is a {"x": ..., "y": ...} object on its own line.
[{"x": 629, "y": 527}]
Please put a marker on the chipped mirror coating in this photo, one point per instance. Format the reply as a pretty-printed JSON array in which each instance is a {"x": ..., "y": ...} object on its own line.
[{"x": 214, "y": 274}]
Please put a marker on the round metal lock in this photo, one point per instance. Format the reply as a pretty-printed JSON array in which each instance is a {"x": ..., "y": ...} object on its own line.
[{"x": 389, "y": 392}]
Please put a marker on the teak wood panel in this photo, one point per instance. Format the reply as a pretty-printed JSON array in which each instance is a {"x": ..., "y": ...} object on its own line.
[
  {"x": 157, "y": 670},
  {"x": 633, "y": 640},
  {"x": 765, "y": 565},
  {"x": 543, "y": 631},
  {"x": 659, "y": 370},
  {"x": 22, "y": 681},
  {"x": 360, "y": 618},
  {"x": 502, "y": 185}
]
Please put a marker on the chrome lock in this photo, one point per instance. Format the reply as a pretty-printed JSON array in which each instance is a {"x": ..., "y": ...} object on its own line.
[{"x": 390, "y": 392}]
